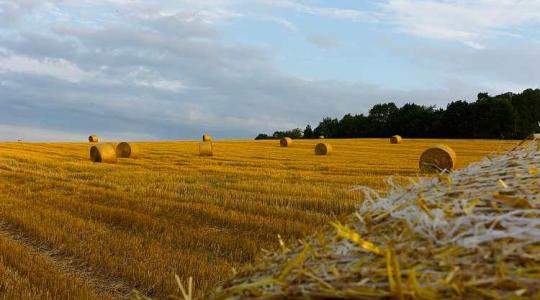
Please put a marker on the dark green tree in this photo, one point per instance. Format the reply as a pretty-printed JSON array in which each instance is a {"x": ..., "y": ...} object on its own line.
[
  {"x": 328, "y": 127},
  {"x": 294, "y": 134},
  {"x": 416, "y": 121},
  {"x": 380, "y": 117},
  {"x": 348, "y": 127},
  {"x": 308, "y": 132},
  {"x": 495, "y": 118},
  {"x": 457, "y": 120},
  {"x": 527, "y": 108}
]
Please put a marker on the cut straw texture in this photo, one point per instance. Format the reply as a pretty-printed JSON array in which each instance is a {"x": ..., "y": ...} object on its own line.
[
  {"x": 534, "y": 137},
  {"x": 285, "y": 142},
  {"x": 127, "y": 150},
  {"x": 206, "y": 137},
  {"x": 206, "y": 149},
  {"x": 93, "y": 139},
  {"x": 396, "y": 139},
  {"x": 470, "y": 234},
  {"x": 438, "y": 158},
  {"x": 323, "y": 149},
  {"x": 103, "y": 153}
]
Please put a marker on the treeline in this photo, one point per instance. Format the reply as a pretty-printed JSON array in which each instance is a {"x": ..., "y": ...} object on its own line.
[{"x": 505, "y": 116}]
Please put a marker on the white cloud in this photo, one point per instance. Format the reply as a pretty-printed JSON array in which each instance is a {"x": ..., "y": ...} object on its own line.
[
  {"x": 53, "y": 67},
  {"x": 326, "y": 11},
  {"x": 466, "y": 21},
  {"x": 24, "y": 133},
  {"x": 166, "y": 85},
  {"x": 280, "y": 21}
]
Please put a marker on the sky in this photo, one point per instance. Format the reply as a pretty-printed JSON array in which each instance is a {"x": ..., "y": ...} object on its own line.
[{"x": 173, "y": 69}]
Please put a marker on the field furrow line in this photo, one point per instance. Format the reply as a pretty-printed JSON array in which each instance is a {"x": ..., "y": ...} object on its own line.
[{"x": 104, "y": 286}]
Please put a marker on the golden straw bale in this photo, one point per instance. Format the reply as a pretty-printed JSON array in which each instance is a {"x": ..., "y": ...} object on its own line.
[
  {"x": 206, "y": 137},
  {"x": 323, "y": 149},
  {"x": 127, "y": 150},
  {"x": 206, "y": 149},
  {"x": 396, "y": 139},
  {"x": 285, "y": 142},
  {"x": 103, "y": 153},
  {"x": 93, "y": 139},
  {"x": 438, "y": 158}
]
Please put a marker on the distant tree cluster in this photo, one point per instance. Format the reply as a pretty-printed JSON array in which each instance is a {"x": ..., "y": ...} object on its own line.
[
  {"x": 294, "y": 134},
  {"x": 506, "y": 116}
]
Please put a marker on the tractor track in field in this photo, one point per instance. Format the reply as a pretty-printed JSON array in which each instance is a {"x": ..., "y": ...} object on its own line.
[{"x": 104, "y": 286}]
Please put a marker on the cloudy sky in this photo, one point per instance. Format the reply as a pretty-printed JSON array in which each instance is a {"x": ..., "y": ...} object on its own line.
[{"x": 172, "y": 69}]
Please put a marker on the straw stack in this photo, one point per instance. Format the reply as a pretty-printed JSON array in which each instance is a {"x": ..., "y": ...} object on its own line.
[
  {"x": 437, "y": 159},
  {"x": 396, "y": 139},
  {"x": 103, "y": 153},
  {"x": 127, "y": 150},
  {"x": 323, "y": 149},
  {"x": 206, "y": 137},
  {"x": 206, "y": 149},
  {"x": 93, "y": 139},
  {"x": 285, "y": 142},
  {"x": 470, "y": 234}
]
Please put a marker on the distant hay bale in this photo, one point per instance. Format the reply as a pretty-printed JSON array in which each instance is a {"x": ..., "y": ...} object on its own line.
[
  {"x": 93, "y": 139},
  {"x": 127, "y": 150},
  {"x": 206, "y": 137},
  {"x": 103, "y": 153},
  {"x": 438, "y": 158},
  {"x": 285, "y": 142},
  {"x": 396, "y": 139},
  {"x": 321, "y": 137},
  {"x": 206, "y": 149},
  {"x": 323, "y": 149}
]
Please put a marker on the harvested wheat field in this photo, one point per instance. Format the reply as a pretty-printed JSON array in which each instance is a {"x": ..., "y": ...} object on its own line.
[{"x": 73, "y": 229}]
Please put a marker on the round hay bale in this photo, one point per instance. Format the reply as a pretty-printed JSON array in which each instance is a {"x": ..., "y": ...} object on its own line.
[
  {"x": 127, "y": 150},
  {"x": 93, "y": 139},
  {"x": 323, "y": 149},
  {"x": 321, "y": 137},
  {"x": 396, "y": 139},
  {"x": 206, "y": 137},
  {"x": 206, "y": 149},
  {"x": 438, "y": 158},
  {"x": 285, "y": 142},
  {"x": 103, "y": 153}
]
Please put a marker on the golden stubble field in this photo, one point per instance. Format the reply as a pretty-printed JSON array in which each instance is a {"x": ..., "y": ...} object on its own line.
[{"x": 72, "y": 229}]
